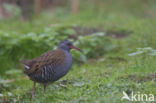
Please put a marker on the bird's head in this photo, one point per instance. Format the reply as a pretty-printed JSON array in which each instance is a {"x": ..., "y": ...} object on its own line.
[{"x": 67, "y": 45}]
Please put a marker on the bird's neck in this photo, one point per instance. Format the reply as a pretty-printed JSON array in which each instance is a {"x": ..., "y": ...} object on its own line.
[{"x": 63, "y": 49}]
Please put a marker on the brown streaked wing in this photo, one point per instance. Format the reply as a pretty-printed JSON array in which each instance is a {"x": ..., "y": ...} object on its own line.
[{"x": 52, "y": 57}]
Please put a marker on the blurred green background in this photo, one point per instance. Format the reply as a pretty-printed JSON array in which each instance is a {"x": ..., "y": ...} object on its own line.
[{"x": 118, "y": 39}]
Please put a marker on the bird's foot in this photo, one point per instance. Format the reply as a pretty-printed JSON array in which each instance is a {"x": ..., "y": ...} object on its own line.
[{"x": 32, "y": 97}]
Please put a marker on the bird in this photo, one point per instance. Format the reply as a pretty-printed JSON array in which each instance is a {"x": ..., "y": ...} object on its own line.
[{"x": 50, "y": 66}]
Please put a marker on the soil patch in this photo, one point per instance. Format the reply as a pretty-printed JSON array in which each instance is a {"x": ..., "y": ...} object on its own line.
[
  {"x": 84, "y": 31},
  {"x": 140, "y": 78},
  {"x": 118, "y": 34}
]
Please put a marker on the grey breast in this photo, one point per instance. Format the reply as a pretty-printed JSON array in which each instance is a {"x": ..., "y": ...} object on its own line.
[{"x": 63, "y": 69}]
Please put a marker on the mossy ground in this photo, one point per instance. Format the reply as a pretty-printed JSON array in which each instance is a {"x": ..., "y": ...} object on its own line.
[{"x": 102, "y": 79}]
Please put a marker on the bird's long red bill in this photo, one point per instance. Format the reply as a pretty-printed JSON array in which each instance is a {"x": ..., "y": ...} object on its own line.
[{"x": 73, "y": 47}]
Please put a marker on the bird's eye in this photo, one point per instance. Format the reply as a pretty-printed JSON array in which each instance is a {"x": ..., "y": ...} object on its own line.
[{"x": 69, "y": 44}]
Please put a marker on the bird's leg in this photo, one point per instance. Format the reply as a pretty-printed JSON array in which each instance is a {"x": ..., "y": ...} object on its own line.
[
  {"x": 44, "y": 86},
  {"x": 33, "y": 90}
]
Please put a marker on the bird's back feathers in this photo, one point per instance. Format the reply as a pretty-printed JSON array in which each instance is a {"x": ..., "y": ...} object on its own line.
[{"x": 36, "y": 65}]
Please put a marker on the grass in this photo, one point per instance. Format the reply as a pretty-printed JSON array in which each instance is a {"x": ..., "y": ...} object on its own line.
[{"x": 99, "y": 80}]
